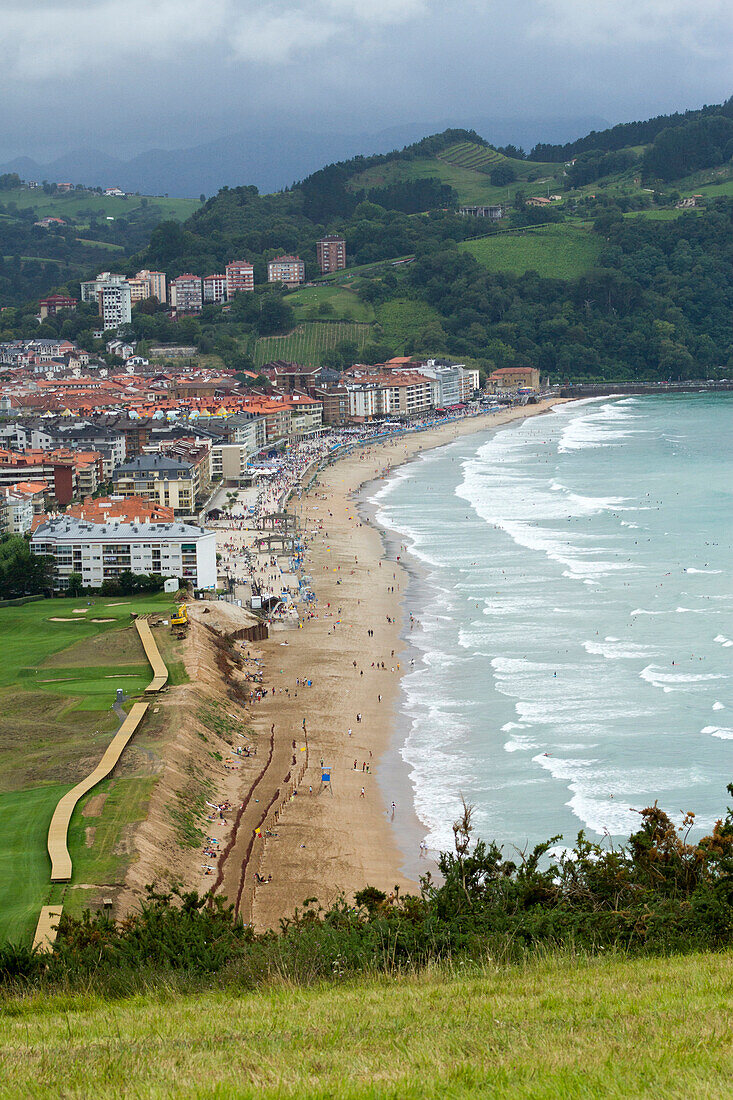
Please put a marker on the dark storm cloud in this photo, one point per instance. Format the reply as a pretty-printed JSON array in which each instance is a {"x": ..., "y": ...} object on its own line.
[{"x": 127, "y": 76}]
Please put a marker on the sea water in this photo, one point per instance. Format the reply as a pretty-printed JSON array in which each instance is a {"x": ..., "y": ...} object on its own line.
[{"x": 572, "y": 643}]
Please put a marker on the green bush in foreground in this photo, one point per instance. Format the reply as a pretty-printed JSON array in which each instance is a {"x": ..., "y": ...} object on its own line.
[{"x": 658, "y": 893}]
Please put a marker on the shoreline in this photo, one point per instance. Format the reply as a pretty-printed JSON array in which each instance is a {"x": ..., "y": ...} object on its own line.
[{"x": 331, "y": 839}]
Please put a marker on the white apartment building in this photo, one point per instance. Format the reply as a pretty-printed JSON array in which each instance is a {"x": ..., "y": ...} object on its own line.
[
  {"x": 16, "y": 513},
  {"x": 90, "y": 289},
  {"x": 101, "y": 551},
  {"x": 229, "y": 462},
  {"x": 115, "y": 305},
  {"x": 364, "y": 400},
  {"x": 215, "y": 289}
]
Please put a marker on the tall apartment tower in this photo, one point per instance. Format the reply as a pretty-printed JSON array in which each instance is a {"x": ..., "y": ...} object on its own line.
[
  {"x": 115, "y": 305},
  {"x": 331, "y": 253},
  {"x": 240, "y": 276}
]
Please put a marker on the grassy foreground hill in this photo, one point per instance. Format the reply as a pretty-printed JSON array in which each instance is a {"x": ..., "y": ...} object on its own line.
[{"x": 561, "y": 1026}]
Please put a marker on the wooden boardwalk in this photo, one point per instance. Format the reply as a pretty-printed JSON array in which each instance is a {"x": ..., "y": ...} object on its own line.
[
  {"x": 59, "y": 827},
  {"x": 47, "y": 927},
  {"x": 160, "y": 671}
]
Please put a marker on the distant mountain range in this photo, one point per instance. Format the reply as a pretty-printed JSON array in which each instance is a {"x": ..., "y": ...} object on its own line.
[{"x": 270, "y": 160}]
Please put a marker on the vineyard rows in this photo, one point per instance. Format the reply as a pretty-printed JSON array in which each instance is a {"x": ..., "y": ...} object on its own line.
[{"x": 477, "y": 158}]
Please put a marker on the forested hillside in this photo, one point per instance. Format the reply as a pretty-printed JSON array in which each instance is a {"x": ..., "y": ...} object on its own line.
[{"x": 626, "y": 134}]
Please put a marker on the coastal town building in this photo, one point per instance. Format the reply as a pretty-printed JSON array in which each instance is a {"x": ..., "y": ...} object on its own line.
[
  {"x": 229, "y": 462},
  {"x": 331, "y": 253},
  {"x": 55, "y": 303},
  {"x": 155, "y": 281},
  {"x": 240, "y": 277},
  {"x": 159, "y": 478},
  {"x": 69, "y": 474},
  {"x": 507, "y": 379},
  {"x": 289, "y": 270},
  {"x": 115, "y": 305},
  {"x": 91, "y": 287},
  {"x": 215, "y": 289},
  {"x": 16, "y": 512},
  {"x": 186, "y": 294},
  {"x": 99, "y": 552}
]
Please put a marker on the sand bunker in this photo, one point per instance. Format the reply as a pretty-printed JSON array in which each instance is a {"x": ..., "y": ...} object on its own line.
[
  {"x": 80, "y": 610},
  {"x": 60, "y": 619},
  {"x": 101, "y": 620}
]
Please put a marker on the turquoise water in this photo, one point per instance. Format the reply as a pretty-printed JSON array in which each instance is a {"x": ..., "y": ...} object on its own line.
[{"x": 573, "y": 635}]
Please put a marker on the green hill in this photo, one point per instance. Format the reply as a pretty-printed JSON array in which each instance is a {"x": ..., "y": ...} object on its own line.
[{"x": 568, "y": 1028}]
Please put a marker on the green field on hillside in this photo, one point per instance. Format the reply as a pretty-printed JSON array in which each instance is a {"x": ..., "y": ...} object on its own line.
[
  {"x": 472, "y": 185},
  {"x": 553, "y": 251},
  {"x": 345, "y": 304},
  {"x": 307, "y": 342},
  {"x": 79, "y": 204},
  {"x": 55, "y": 723},
  {"x": 554, "y": 1029}
]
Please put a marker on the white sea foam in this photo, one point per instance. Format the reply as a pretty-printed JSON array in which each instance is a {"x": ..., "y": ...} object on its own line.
[
  {"x": 677, "y": 681},
  {"x": 718, "y": 706},
  {"x": 690, "y": 569},
  {"x": 614, "y": 650},
  {"x": 725, "y": 642},
  {"x": 724, "y": 733}
]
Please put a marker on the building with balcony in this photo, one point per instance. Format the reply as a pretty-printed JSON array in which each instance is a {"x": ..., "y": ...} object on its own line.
[
  {"x": 99, "y": 552},
  {"x": 115, "y": 305},
  {"x": 155, "y": 281},
  {"x": 289, "y": 270},
  {"x": 215, "y": 289},
  {"x": 159, "y": 478},
  {"x": 186, "y": 293},
  {"x": 331, "y": 253},
  {"x": 55, "y": 303},
  {"x": 240, "y": 276}
]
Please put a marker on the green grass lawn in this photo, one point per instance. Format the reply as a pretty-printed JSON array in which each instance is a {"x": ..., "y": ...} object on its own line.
[
  {"x": 554, "y": 1029},
  {"x": 79, "y": 204},
  {"x": 346, "y": 305},
  {"x": 55, "y": 722},
  {"x": 555, "y": 251},
  {"x": 24, "y": 863},
  {"x": 93, "y": 687}
]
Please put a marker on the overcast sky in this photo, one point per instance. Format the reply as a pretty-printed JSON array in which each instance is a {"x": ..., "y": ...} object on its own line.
[{"x": 130, "y": 76}]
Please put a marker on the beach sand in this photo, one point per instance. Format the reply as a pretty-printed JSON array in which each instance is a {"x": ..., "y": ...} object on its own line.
[{"x": 333, "y": 839}]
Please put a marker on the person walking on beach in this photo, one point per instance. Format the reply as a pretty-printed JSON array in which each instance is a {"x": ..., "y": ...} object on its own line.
[
  {"x": 362, "y": 793},
  {"x": 393, "y": 810}
]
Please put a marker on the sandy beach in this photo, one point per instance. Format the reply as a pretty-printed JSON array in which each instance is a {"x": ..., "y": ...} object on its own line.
[{"x": 332, "y": 692}]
